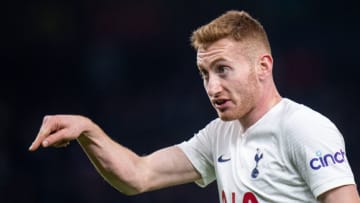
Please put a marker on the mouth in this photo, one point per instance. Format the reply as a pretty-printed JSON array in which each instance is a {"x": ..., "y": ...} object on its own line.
[{"x": 221, "y": 104}]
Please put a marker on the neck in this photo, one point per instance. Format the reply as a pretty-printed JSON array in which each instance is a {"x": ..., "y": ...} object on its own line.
[{"x": 265, "y": 102}]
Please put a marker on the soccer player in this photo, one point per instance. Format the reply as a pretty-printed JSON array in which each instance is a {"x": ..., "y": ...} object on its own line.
[{"x": 262, "y": 148}]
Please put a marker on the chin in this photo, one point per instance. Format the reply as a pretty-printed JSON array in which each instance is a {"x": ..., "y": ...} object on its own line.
[{"x": 225, "y": 117}]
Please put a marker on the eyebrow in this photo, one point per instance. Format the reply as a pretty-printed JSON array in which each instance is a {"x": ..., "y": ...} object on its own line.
[{"x": 217, "y": 60}]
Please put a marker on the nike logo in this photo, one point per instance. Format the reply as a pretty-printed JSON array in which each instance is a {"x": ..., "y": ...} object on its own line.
[{"x": 222, "y": 159}]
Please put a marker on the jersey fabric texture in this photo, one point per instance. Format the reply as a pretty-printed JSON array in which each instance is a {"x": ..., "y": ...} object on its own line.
[{"x": 292, "y": 154}]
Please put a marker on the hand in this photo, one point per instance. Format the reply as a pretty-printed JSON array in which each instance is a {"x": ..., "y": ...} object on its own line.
[{"x": 59, "y": 130}]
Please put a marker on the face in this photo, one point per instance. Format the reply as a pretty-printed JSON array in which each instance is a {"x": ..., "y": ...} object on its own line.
[{"x": 229, "y": 78}]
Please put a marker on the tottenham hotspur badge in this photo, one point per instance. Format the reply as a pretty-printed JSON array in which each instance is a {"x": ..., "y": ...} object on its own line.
[{"x": 258, "y": 157}]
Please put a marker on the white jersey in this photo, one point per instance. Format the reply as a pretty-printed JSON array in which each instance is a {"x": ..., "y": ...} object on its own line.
[{"x": 292, "y": 154}]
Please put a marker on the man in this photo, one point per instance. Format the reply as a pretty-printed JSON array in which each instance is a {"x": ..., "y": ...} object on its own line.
[{"x": 262, "y": 148}]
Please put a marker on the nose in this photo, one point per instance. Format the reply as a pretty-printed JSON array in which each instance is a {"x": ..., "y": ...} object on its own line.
[{"x": 213, "y": 86}]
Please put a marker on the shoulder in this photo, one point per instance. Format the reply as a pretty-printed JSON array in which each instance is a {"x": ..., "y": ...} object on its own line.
[
  {"x": 301, "y": 119},
  {"x": 216, "y": 131},
  {"x": 300, "y": 112},
  {"x": 305, "y": 130},
  {"x": 218, "y": 126},
  {"x": 212, "y": 130},
  {"x": 317, "y": 149}
]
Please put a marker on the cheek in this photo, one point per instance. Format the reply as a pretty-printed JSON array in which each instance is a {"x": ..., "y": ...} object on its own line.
[
  {"x": 244, "y": 92},
  {"x": 240, "y": 89}
]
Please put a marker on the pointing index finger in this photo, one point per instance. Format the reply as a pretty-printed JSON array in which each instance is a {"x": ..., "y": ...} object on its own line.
[{"x": 43, "y": 133}]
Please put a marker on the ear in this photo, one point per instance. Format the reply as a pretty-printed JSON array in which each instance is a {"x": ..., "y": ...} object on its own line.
[{"x": 264, "y": 66}]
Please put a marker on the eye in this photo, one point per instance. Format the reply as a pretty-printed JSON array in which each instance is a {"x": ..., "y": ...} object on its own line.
[
  {"x": 204, "y": 74},
  {"x": 222, "y": 70}
]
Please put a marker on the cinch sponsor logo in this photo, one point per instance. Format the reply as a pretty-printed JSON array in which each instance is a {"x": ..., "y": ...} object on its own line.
[{"x": 322, "y": 161}]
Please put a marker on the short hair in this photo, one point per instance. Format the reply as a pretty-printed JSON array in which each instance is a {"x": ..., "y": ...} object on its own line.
[{"x": 238, "y": 25}]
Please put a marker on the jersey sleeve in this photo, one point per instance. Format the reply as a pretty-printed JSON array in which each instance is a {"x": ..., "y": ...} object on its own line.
[
  {"x": 199, "y": 151},
  {"x": 317, "y": 150}
]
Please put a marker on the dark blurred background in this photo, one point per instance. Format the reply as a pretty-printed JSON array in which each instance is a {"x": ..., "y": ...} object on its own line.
[{"x": 128, "y": 66}]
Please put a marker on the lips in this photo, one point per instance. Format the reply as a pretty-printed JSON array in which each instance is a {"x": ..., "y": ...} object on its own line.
[{"x": 221, "y": 103}]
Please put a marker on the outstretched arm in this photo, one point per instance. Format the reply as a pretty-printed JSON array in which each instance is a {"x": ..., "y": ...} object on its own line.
[{"x": 121, "y": 167}]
